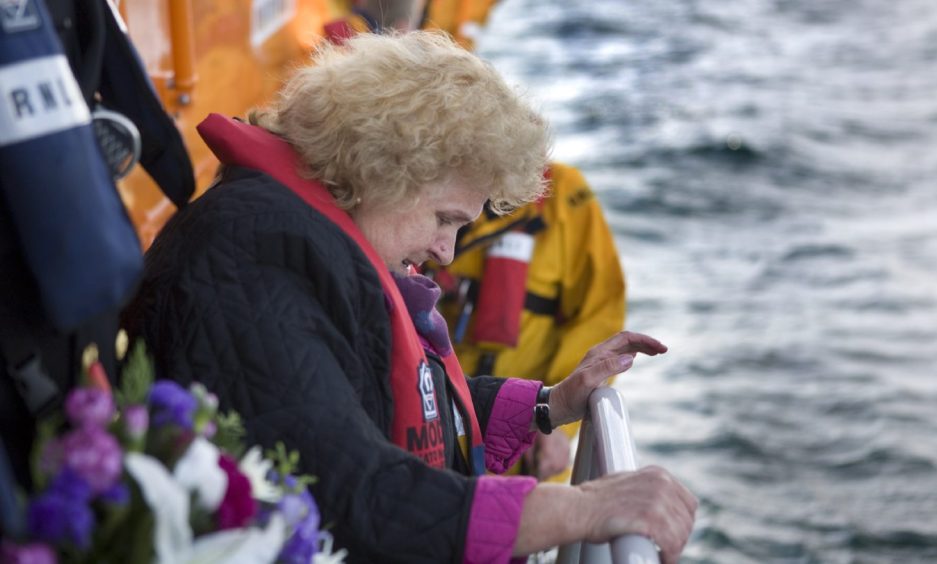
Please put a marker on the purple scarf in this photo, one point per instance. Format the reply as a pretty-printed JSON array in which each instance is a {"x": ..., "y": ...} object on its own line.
[{"x": 421, "y": 294}]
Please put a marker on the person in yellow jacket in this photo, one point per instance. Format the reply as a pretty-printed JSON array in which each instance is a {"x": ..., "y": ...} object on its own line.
[{"x": 573, "y": 295}]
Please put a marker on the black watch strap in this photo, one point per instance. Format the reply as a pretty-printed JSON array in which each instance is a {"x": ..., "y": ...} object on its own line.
[{"x": 542, "y": 411}]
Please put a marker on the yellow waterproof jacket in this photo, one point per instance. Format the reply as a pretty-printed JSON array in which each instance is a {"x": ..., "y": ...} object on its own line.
[
  {"x": 462, "y": 19},
  {"x": 574, "y": 264}
]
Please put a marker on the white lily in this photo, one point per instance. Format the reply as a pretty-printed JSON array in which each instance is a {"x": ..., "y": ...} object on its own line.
[
  {"x": 256, "y": 467},
  {"x": 198, "y": 471},
  {"x": 170, "y": 505},
  {"x": 325, "y": 554},
  {"x": 241, "y": 546}
]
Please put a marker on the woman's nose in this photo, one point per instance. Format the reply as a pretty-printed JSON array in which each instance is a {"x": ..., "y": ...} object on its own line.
[{"x": 443, "y": 250}]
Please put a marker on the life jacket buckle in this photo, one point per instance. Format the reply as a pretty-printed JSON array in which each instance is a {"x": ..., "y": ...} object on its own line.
[{"x": 38, "y": 391}]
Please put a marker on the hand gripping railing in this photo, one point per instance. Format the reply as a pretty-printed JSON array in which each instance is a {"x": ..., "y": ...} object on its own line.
[{"x": 605, "y": 447}]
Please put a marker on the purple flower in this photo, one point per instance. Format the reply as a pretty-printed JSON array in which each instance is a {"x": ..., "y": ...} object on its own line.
[
  {"x": 301, "y": 545},
  {"x": 50, "y": 457},
  {"x": 33, "y": 553},
  {"x": 136, "y": 421},
  {"x": 209, "y": 430},
  {"x": 89, "y": 407},
  {"x": 293, "y": 508},
  {"x": 71, "y": 485},
  {"x": 171, "y": 403},
  {"x": 118, "y": 494},
  {"x": 207, "y": 408},
  {"x": 57, "y": 519},
  {"x": 94, "y": 455}
]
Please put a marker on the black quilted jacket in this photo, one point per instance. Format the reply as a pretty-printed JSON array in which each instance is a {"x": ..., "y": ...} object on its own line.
[{"x": 261, "y": 298}]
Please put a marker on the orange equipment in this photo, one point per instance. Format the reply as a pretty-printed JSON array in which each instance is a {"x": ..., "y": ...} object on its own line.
[
  {"x": 223, "y": 56},
  {"x": 462, "y": 19}
]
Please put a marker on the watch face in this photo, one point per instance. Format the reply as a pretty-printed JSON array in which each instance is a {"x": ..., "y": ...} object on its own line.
[{"x": 543, "y": 394}]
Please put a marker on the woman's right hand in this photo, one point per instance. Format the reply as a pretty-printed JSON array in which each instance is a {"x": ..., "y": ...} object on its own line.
[{"x": 648, "y": 502}]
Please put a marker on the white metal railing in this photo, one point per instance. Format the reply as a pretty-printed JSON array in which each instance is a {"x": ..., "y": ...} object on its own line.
[{"x": 605, "y": 447}]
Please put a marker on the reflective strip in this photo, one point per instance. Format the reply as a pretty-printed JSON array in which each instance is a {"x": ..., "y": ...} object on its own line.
[
  {"x": 515, "y": 245},
  {"x": 459, "y": 424},
  {"x": 38, "y": 97}
]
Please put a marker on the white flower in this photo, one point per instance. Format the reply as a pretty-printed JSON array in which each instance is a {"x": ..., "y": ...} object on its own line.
[
  {"x": 198, "y": 471},
  {"x": 256, "y": 467},
  {"x": 325, "y": 554},
  {"x": 241, "y": 546},
  {"x": 169, "y": 503}
]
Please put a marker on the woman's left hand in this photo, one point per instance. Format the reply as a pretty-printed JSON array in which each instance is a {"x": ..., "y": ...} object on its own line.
[
  {"x": 548, "y": 456},
  {"x": 569, "y": 398}
]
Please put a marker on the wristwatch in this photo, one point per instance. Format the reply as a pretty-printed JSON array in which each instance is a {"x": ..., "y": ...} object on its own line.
[{"x": 542, "y": 411}]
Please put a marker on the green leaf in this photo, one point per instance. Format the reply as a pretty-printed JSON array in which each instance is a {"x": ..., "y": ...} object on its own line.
[
  {"x": 136, "y": 377},
  {"x": 230, "y": 433},
  {"x": 46, "y": 431},
  {"x": 113, "y": 525},
  {"x": 286, "y": 463},
  {"x": 137, "y": 544}
]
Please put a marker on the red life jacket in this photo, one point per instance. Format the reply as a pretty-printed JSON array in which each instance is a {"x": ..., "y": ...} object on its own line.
[
  {"x": 416, "y": 425},
  {"x": 502, "y": 292}
]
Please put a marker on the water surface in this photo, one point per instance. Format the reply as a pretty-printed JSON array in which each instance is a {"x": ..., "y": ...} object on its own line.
[{"x": 769, "y": 169}]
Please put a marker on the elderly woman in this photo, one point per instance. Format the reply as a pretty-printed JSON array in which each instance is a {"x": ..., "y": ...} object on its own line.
[{"x": 288, "y": 289}]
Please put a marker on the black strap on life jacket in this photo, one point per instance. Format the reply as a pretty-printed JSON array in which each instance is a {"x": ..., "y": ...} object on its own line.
[
  {"x": 109, "y": 71},
  {"x": 540, "y": 305},
  {"x": 11, "y": 515},
  {"x": 530, "y": 225},
  {"x": 23, "y": 363},
  {"x": 126, "y": 88},
  {"x": 80, "y": 26}
]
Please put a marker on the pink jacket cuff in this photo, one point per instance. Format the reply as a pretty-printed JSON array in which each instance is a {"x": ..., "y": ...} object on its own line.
[
  {"x": 496, "y": 518},
  {"x": 508, "y": 433}
]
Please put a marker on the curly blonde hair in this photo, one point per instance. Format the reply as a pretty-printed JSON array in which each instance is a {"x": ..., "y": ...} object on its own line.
[{"x": 381, "y": 116}]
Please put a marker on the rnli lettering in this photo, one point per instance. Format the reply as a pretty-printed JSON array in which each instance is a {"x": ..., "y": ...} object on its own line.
[
  {"x": 427, "y": 392},
  {"x": 43, "y": 97},
  {"x": 18, "y": 15},
  {"x": 579, "y": 197},
  {"x": 424, "y": 438},
  {"x": 39, "y": 97}
]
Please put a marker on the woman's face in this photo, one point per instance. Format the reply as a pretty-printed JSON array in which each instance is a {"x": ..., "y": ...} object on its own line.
[{"x": 426, "y": 230}]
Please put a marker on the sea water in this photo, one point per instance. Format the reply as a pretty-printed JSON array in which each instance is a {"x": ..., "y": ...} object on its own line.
[{"x": 769, "y": 170}]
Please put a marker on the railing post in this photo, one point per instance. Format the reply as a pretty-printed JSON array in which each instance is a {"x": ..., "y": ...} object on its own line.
[
  {"x": 582, "y": 471},
  {"x": 182, "y": 31},
  {"x": 605, "y": 447}
]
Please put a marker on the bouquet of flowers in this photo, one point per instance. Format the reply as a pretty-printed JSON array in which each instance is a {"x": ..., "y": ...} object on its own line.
[{"x": 153, "y": 472}]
